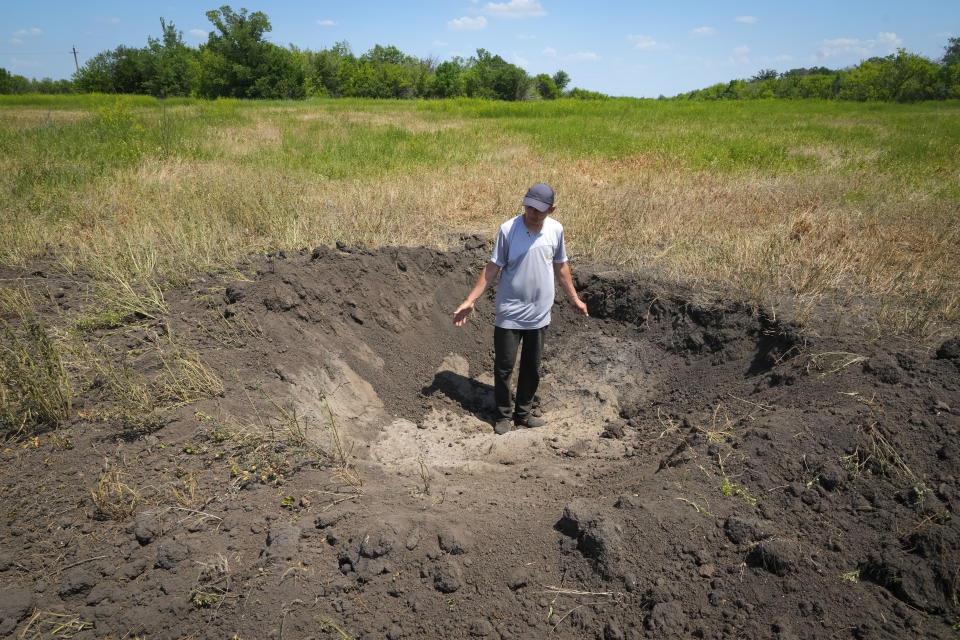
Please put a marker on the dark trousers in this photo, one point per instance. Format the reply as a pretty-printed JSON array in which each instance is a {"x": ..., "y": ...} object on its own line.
[{"x": 505, "y": 344}]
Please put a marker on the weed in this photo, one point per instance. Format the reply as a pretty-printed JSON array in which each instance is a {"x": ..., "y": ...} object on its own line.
[
  {"x": 851, "y": 576},
  {"x": 213, "y": 584},
  {"x": 327, "y": 624},
  {"x": 425, "y": 477},
  {"x": 697, "y": 507},
  {"x": 134, "y": 406},
  {"x": 112, "y": 497},
  {"x": 108, "y": 319},
  {"x": 203, "y": 598},
  {"x": 882, "y": 457},
  {"x": 292, "y": 426},
  {"x": 185, "y": 491},
  {"x": 720, "y": 428},
  {"x": 124, "y": 296},
  {"x": 833, "y": 361},
  {"x": 186, "y": 378},
  {"x": 347, "y": 470},
  {"x": 49, "y": 624},
  {"x": 34, "y": 386},
  {"x": 731, "y": 489},
  {"x": 15, "y": 302}
]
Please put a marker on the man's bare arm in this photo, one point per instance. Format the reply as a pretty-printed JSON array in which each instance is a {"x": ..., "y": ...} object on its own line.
[
  {"x": 562, "y": 271},
  {"x": 489, "y": 275}
]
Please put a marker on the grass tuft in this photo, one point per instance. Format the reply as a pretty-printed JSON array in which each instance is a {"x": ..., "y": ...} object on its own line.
[
  {"x": 113, "y": 498},
  {"x": 34, "y": 386}
]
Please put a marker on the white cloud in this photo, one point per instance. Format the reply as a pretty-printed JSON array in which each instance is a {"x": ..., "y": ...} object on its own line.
[
  {"x": 582, "y": 56},
  {"x": 889, "y": 40},
  {"x": 32, "y": 31},
  {"x": 439, "y": 43},
  {"x": 703, "y": 31},
  {"x": 642, "y": 42},
  {"x": 199, "y": 33},
  {"x": 746, "y": 19},
  {"x": 326, "y": 23},
  {"x": 526, "y": 36},
  {"x": 740, "y": 55},
  {"x": 515, "y": 9},
  {"x": 885, "y": 42},
  {"x": 520, "y": 61},
  {"x": 784, "y": 57},
  {"x": 16, "y": 41},
  {"x": 467, "y": 24},
  {"x": 550, "y": 52}
]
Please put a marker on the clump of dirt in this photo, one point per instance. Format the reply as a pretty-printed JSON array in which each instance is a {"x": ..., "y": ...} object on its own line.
[{"x": 707, "y": 470}]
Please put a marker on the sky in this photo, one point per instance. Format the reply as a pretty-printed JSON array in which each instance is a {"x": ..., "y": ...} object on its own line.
[{"x": 622, "y": 48}]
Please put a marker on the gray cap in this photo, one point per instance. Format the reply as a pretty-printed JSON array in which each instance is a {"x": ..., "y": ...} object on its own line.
[{"x": 539, "y": 196}]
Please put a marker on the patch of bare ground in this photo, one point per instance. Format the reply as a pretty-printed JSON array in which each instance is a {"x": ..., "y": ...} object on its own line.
[{"x": 707, "y": 470}]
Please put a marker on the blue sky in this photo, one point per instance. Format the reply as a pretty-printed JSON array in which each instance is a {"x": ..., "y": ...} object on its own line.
[{"x": 641, "y": 49}]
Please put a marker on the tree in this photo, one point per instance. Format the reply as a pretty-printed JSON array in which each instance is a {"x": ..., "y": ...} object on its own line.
[
  {"x": 448, "y": 79},
  {"x": 51, "y": 86},
  {"x": 561, "y": 79},
  {"x": 764, "y": 74},
  {"x": 806, "y": 72},
  {"x": 118, "y": 71},
  {"x": 237, "y": 62},
  {"x": 6, "y": 81},
  {"x": 494, "y": 78},
  {"x": 322, "y": 69},
  {"x": 951, "y": 53},
  {"x": 168, "y": 64},
  {"x": 546, "y": 88}
]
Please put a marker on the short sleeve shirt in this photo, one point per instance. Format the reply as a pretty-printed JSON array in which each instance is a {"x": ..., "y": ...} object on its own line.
[{"x": 526, "y": 288}]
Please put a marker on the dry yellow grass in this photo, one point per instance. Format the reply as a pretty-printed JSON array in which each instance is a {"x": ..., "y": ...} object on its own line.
[
  {"x": 25, "y": 118},
  {"x": 795, "y": 235},
  {"x": 409, "y": 122}
]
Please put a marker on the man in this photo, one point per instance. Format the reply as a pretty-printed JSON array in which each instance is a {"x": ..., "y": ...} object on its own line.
[{"x": 528, "y": 254}]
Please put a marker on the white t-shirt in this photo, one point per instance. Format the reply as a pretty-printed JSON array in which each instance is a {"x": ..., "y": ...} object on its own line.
[{"x": 526, "y": 289}]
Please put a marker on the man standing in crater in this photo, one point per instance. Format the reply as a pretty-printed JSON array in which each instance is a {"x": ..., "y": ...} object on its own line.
[{"x": 528, "y": 254}]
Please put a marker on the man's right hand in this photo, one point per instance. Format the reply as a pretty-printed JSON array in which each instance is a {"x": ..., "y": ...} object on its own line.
[{"x": 460, "y": 315}]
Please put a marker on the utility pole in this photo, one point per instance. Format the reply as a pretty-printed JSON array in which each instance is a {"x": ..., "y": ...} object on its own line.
[{"x": 75, "y": 63}]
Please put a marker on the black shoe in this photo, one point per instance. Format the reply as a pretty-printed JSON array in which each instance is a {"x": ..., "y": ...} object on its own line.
[
  {"x": 502, "y": 426},
  {"x": 530, "y": 422}
]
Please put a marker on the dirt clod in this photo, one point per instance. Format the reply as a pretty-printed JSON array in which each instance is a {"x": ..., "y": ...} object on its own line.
[
  {"x": 15, "y": 604},
  {"x": 447, "y": 576},
  {"x": 949, "y": 349}
]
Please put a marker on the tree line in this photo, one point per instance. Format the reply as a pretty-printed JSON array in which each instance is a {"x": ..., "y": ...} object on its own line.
[
  {"x": 237, "y": 62},
  {"x": 898, "y": 77}
]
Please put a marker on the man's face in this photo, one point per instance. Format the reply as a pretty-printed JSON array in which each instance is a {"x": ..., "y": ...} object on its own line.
[{"x": 534, "y": 216}]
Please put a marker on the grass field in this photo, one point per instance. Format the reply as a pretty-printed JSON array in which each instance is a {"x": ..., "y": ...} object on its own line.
[{"x": 801, "y": 201}]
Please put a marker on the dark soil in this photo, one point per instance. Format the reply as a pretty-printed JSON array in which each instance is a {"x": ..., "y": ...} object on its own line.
[{"x": 706, "y": 470}]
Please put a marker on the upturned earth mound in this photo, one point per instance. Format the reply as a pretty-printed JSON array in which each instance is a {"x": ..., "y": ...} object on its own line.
[{"x": 327, "y": 467}]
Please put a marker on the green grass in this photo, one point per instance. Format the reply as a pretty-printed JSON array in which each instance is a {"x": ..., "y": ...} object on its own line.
[{"x": 810, "y": 200}]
